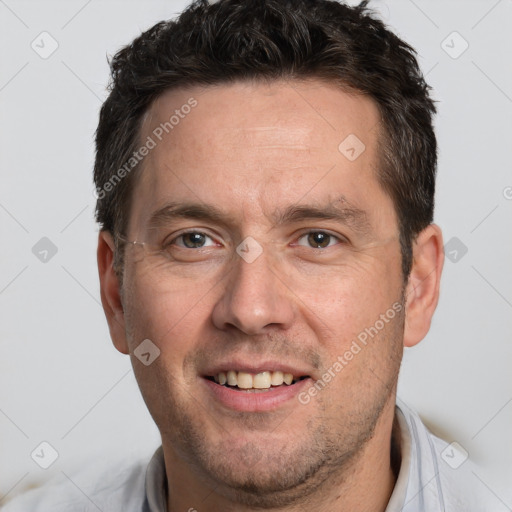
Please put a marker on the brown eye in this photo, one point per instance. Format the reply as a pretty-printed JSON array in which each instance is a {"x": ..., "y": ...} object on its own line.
[
  {"x": 318, "y": 239},
  {"x": 192, "y": 240}
]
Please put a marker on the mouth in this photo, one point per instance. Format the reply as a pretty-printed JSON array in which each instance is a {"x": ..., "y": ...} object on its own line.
[
  {"x": 260, "y": 382},
  {"x": 255, "y": 391}
]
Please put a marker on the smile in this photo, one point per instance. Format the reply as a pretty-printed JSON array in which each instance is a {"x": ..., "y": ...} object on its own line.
[
  {"x": 255, "y": 392},
  {"x": 259, "y": 382}
]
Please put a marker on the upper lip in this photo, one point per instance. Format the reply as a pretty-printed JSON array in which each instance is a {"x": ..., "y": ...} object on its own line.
[{"x": 239, "y": 365}]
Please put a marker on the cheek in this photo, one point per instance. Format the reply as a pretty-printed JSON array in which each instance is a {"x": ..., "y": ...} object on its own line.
[
  {"x": 342, "y": 302},
  {"x": 169, "y": 316}
]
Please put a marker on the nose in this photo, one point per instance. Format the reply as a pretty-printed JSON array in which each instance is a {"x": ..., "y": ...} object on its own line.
[{"x": 254, "y": 299}]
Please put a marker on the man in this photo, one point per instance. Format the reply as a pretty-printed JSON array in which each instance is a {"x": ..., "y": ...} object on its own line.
[{"x": 265, "y": 173}]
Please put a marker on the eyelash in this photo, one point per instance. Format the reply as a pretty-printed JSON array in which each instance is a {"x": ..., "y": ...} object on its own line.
[{"x": 340, "y": 239}]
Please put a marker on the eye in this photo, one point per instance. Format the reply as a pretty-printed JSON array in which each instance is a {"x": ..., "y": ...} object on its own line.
[
  {"x": 319, "y": 239},
  {"x": 191, "y": 240}
]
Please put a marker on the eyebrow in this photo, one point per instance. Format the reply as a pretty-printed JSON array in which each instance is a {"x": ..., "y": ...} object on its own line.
[{"x": 344, "y": 213}]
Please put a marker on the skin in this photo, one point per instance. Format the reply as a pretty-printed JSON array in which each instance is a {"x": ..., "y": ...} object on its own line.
[{"x": 252, "y": 149}]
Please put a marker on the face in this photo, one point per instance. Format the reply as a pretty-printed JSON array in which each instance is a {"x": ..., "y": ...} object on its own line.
[{"x": 271, "y": 252}]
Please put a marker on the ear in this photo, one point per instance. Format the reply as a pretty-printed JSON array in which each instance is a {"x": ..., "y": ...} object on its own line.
[
  {"x": 422, "y": 291},
  {"x": 110, "y": 291}
]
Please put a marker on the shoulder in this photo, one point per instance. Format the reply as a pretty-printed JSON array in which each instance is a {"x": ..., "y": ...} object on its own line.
[
  {"x": 444, "y": 469},
  {"x": 458, "y": 481},
  {"x": 121, "y": 487}
]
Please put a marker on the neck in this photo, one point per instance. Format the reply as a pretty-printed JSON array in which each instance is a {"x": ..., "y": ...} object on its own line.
[{"x": 363, "y": 485}]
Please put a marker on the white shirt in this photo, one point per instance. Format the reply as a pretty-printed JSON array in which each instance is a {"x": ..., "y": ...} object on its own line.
[{"x": 433, "y": 477}]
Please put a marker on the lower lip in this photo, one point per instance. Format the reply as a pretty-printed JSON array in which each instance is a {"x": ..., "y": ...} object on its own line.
[{"x": 255, "y": 402}]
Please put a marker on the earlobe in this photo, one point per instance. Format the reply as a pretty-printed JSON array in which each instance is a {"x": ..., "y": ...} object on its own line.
[
  {"x": 422, "y": 291},
  {"x": 110, "y": 291}
]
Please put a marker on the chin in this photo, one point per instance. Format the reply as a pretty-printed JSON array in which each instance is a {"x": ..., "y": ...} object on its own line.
[
  {"x": 268, "y": 473},
  {"x": 274, "y": 481}
]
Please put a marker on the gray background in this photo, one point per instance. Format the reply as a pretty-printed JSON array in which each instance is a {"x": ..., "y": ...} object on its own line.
[{"x": 61, "y": 380}]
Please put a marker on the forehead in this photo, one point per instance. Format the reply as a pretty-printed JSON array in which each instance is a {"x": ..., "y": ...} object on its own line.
[
  {"x": 255, "y": 147},
  {"x": 281, "y": 115}
]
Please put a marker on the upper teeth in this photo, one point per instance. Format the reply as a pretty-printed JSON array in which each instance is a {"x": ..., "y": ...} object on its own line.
[{"x": 262, "y": 380}]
